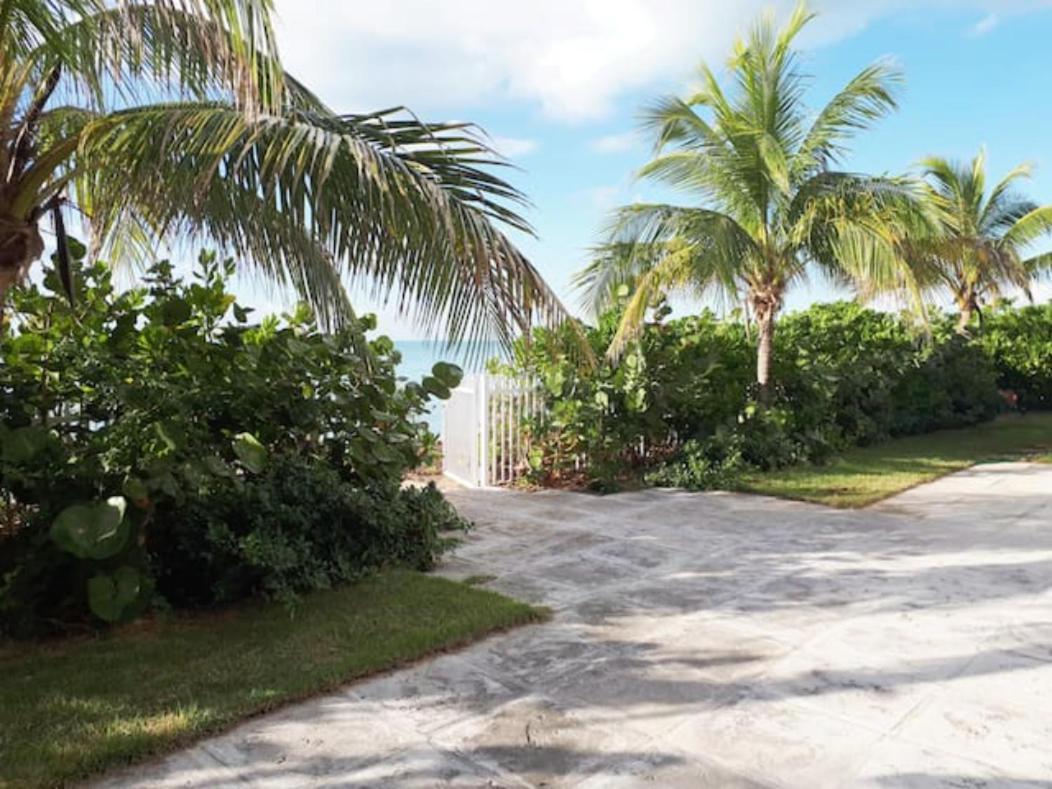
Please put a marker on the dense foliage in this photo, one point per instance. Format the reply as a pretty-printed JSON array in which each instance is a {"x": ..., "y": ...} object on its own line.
[
  {"x": 1019, "y": 340},
  {"x": 160, "y": 447},
  {"x": 681, "y": 407}
]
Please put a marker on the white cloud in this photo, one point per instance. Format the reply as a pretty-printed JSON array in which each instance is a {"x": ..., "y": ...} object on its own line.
[
  {"x": 600, "y": 198},
  {"x": 615, "y": 143},
  {"x": 985, "y": 25},
  {"x": 570, "y": 58},
  {"x": 604, "y": 197},
  {"x": 513, "y": 147}
]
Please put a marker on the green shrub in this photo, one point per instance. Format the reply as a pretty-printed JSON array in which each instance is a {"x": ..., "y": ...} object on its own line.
[
  {"x": 1019, "y": 340},
  {"x": 679, "y": 409},
  {"x": 156, "y": 441},
  {"x": 857, "y": 376},
  {"x": 953, "y": 383},
  {"x": 297, "y": 527},
  {"x": 682, "y": 379}
]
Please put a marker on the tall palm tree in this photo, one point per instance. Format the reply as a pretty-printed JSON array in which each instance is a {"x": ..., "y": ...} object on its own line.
[
  {"x": 163, "y": 120},
  {"x": 770, "y": 205},
  {"x": 977, "y": 247}
]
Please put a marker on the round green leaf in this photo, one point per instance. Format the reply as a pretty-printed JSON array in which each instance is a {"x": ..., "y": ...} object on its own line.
[
  {"x": 436, "y": 388},
  {"x": 384, "y": 454},
  {"x": 92, "y": 531},
  {"x": 216, "y": 467},
  {"x": 251, "y": 453},
  {"x": 112, "y": 597},
  {"x": 449, "y": 374}
]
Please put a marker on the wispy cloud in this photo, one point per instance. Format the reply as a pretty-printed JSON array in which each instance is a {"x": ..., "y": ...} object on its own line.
[
  {"x": 572, "y": 60},
  {"x": 984, "y": 25},
  {"x": 602, "y": 198},
  {"x": 514, "y": 147},
  {"x": 615, "y": 143}
]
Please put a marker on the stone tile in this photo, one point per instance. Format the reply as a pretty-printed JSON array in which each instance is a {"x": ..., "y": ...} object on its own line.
[
  {"x": 996, "y": 711},
  {"x": 536, "y": 659},
  {"x": 895, "y": 764},
  {"x": 544, "y": 744},
  {"x": 661, "y": 771},
  {"x": 439, "y": 692},
  {"x": 534, "y": 588},
  {"x": 774, "y": 740},
  {"x": 866, "y": 688}
]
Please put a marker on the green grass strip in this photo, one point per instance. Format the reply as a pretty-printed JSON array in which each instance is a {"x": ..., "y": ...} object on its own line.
[
  {"x": 73, "y": 709},
  {"x": 869, "y": 474}
]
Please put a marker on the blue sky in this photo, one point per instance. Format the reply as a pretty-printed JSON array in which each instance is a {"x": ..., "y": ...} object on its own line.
[{"x": 559, "y": 84}]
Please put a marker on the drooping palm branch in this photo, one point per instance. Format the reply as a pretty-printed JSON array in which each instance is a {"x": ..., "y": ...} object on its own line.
[{"x": 173, "y": 120}]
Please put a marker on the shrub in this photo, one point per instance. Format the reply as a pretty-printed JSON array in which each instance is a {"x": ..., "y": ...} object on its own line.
[
  {"x": 157, "y": 441},
  {"x": 856, "y": 376},
  {"x": 1020, "y": 343},
  {"x": 682, "y": 379},
  {"x": 951, "y": 384},
  {"x": 679, "y": 408},
  {"x": 299, "y": 526}
]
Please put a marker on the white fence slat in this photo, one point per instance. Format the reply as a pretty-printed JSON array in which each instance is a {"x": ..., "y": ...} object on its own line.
[{"x": 482, "y": 434}]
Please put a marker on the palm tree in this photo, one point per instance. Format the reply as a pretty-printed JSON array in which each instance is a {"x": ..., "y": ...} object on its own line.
[
  {"x": 977, "y": 247},
  {"x": 770, "y": 206},
  {"x": 162, "y": 120}
]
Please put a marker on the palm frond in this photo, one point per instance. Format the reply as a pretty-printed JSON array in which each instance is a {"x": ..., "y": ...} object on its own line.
[
  {"x": 1028, "y": 228},
  {"x": 868, "y": 97},
  {"x": 404, "y": 204},
  {"x": 673, "y": 270},
  {"x": 136, "y": 49}
]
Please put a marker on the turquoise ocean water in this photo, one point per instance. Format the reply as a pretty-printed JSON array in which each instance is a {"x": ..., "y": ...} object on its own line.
[{"x": 418, "y": 356}]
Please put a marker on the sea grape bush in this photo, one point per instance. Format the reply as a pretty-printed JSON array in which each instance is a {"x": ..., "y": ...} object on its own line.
[
  {"x": 622, "y": 416},
  {"x": 855, "y": 375},
  {"x": 680, "y": 408},
  {"x": 157, "y": 445},
  {"x": 1019, "y": 340}
]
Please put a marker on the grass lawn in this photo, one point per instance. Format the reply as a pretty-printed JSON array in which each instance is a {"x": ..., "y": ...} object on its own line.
[
  {"x": 73, "y": 709},
  {"x": 863, "y": 476}
]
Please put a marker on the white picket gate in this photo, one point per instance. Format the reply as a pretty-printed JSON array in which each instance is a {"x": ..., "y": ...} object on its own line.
[{"x": 483, "y": 442}]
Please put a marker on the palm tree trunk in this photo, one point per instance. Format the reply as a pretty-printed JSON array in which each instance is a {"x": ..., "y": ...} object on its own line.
[
  {"x": 966, "y": 305},
  {"x": 764, "y": 351},
  {"x": 765, "y": 300},
  {"x": 20, "y": 246}
]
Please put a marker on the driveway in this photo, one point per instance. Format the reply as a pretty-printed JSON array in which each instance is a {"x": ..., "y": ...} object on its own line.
[{"x": 710, "y": 640}]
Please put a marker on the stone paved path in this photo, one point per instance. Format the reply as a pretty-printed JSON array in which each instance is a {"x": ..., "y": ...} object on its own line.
[{"x": 710, "y": 640}]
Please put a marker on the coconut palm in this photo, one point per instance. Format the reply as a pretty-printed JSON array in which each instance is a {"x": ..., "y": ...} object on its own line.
[
  {"x": 172, "y": 120},
  {"x": 978, "y": 246},
  {"x": 770, "y": 207}
]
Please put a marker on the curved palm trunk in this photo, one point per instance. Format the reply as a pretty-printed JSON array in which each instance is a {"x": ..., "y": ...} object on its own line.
[
  {"x": 20, "y": 246},
  {"x": 765, "y": 308},
  {"x": 967, "y": 306}
]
